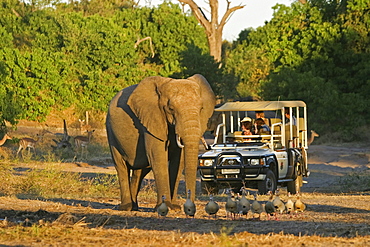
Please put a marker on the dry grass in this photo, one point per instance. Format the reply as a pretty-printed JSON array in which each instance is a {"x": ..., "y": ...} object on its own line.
[
  {"x": 355, "y": 181},
  {"x": 47, "y": 200},
  {"x": 48, "y": 180},
  {"x": 62, "y": 236},
  {"x": 332, "y": 220}
]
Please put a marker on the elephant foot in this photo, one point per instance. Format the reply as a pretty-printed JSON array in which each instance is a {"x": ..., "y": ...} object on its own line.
[
  {"x": 135, "y": 207},
  {"x": 128, "y": 207}
]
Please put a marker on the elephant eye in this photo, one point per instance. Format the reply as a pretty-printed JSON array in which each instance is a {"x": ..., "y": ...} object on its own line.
[{"x": 170, "y": 108}]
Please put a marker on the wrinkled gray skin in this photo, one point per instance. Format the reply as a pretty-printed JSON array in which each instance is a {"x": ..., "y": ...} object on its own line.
[{"x": 142, "y": 123}]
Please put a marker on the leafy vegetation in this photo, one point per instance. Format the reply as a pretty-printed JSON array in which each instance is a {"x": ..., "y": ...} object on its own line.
[
  {"x": 55, "y": 55},
  {"x": 317, "y": 52},
  {"x": 53, "y": 58}
]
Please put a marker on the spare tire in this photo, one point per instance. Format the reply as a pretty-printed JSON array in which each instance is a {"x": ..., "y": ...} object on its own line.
[{"x": 294, "y": 187}]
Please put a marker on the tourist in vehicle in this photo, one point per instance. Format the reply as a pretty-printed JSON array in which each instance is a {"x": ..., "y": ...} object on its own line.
[
  {"x": 260, "y": 127},
  {"x": 261, "y": 114},
  {"x": 290, "y": 118},
  {"x": 246, "y": 125}
]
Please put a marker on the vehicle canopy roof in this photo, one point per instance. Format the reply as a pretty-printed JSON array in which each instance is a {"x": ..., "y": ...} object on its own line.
[{"x": 259, "y": 105}]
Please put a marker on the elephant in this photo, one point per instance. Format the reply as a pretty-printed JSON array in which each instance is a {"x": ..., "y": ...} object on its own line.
[
  {"x": 156, "y": 126},
  {"x": 215, "y": 120}
]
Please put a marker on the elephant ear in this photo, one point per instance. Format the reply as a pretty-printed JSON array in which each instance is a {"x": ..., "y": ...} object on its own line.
[
  {"x": 144, "y": 102},
  {"x": 208, "y": 99}
]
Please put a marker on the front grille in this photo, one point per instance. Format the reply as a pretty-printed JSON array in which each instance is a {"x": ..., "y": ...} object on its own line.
[{"x": 230, "y": 160}]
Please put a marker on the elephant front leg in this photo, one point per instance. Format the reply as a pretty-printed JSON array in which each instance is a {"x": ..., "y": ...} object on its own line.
[
  {"x": 123, "y": 173},
  {"x": 136, "y": 180},
  {"x": 176, "y": 166},
  {"x": 158, "y": 160}
]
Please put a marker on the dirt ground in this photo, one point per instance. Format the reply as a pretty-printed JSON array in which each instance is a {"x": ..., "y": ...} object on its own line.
[{"x": 332, "y": 218}]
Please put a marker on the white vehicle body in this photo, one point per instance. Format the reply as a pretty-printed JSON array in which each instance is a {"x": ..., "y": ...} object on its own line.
[{"x": 261, "y": 161}]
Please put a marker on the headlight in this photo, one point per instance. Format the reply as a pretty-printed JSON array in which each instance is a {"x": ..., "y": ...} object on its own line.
[
  {"x": 257, "y": 162},
  {"x": 203, "y": 162}
]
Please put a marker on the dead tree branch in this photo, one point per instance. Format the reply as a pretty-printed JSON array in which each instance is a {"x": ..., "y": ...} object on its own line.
[{"x": 143, "y": 39}]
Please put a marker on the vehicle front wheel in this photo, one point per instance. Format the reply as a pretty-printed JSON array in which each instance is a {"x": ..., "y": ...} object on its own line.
[
  {"x": 209, "y": 188},
  {"x": 294, "y": 187},
  {"x": 269, "y": 184}
]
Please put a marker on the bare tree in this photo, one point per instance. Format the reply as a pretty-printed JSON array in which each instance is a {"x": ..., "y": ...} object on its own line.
[{"x": 213, "y": 27}]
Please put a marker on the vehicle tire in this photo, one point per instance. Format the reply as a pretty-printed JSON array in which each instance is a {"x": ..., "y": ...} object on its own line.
[
  {"x": 269, "y": 184},
  {"x": 294, "y": 187},
  {"x": 209, "y": 188}
]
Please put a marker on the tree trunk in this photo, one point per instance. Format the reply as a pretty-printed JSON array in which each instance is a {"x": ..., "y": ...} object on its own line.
[
  {"x": 215, "y": 44},
  {"x": 213, "y": 28}
]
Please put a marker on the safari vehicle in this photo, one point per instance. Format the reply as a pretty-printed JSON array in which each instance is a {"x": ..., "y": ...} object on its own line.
[{"x": 261, "y": 161}]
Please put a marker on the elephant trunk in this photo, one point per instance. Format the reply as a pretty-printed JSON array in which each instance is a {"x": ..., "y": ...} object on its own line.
[
  {"x": 191, "y": 162},
  {"x": 190, "y": 141}
]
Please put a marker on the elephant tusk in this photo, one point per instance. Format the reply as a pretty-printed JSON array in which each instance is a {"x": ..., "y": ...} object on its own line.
[
  {"x": 205, "y": 144},
  {"x": 179, "y": 142}
]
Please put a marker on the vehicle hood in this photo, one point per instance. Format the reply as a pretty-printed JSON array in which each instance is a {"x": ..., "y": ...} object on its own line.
[{"x": 245, "y": 152}]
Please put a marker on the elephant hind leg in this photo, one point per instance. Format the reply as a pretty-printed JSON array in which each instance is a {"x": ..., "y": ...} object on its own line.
[{"x": 123, "y": 173}]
